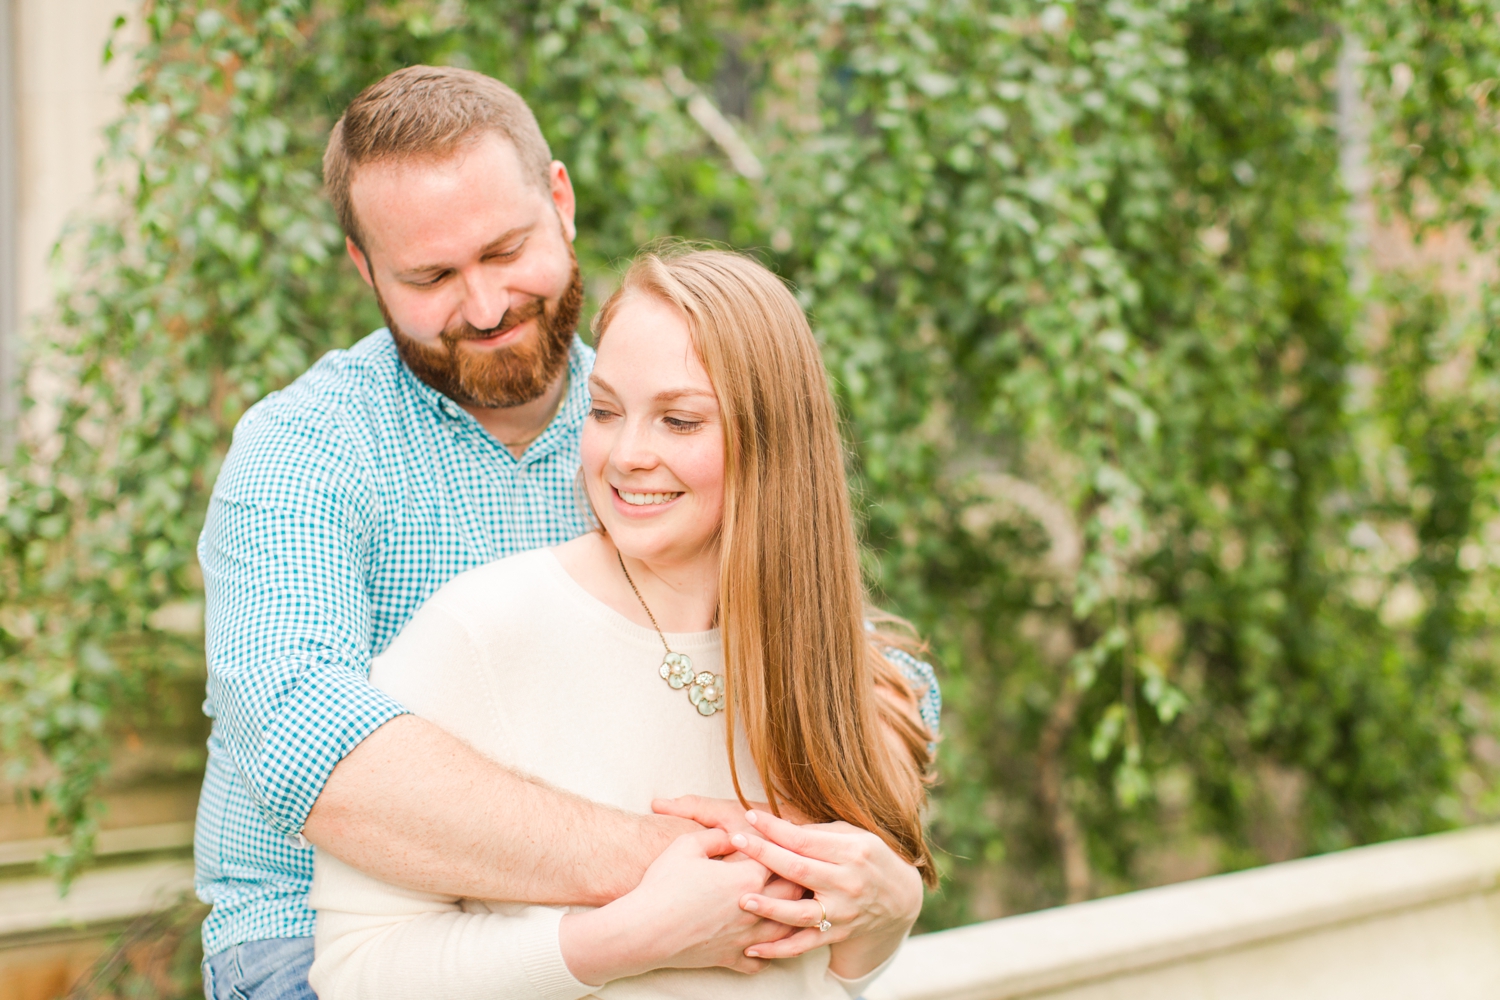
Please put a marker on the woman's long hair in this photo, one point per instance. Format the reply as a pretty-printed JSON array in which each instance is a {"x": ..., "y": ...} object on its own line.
[{"x": 831, "y": 723}]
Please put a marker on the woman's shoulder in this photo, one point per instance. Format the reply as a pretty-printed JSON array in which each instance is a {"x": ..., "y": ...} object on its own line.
[
  {"x": 518, "y": 581},
  {"x": 439, "y": 649}
]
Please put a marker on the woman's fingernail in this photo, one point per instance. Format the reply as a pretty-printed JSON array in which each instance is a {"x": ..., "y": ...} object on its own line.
[
  {"x": 751, "y": 905},
  {"x": 751, "y": 817},
  {"x": 753, "y": 953},
  {"x": 738, "y": 840}
]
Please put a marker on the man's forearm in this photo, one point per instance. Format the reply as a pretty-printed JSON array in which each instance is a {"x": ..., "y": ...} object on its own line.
[{"x": 418, "y": 807}]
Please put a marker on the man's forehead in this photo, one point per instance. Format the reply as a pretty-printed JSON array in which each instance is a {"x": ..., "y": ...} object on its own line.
[
  {"x": 478, "y": 193},
  {"x": 489, "y": 158}
]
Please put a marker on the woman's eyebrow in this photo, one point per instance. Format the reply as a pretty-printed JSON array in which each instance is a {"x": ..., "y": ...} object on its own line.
[
  {"x": 668, "y": 395},
  {"x": 665, "y": 396}
]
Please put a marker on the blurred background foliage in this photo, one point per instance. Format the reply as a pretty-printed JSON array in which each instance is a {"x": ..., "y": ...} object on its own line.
[{"x": 1165, "y": 331}]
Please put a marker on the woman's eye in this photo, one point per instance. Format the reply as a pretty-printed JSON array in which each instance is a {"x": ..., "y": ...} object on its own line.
[
  {"x": 600, "y": 414},
  {"x": 678, "y": 424}
]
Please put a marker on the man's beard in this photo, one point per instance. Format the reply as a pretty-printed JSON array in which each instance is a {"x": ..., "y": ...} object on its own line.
[{"x": 497, "y": 377}]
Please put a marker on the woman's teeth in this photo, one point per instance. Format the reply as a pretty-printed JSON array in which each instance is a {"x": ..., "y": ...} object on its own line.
[{"x": 646, "y": 499}]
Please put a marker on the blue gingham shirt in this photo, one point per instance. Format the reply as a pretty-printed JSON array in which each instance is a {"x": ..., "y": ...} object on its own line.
[{"x": 346, "y": 500}]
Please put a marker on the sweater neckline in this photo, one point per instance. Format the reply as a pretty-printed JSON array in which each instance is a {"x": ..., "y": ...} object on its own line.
[{"x": 608, "y": 616}]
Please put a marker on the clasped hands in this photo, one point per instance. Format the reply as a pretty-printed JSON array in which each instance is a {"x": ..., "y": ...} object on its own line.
[
  {"x": 738, "y": 892},
  {"x": 869, "y": 894}
]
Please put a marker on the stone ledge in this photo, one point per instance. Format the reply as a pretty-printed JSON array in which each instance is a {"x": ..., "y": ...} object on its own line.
[
  {"x": 1074, "y": 945},
  {"x": 31, "y": 906},
  {"x": 125, "y": 840}
]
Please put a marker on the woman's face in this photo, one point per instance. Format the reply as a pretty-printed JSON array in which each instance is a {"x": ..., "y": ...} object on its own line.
[{"x": 653, "y": 444}]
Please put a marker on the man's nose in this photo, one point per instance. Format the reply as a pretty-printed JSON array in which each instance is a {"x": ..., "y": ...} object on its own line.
[{"x": 484, "y": 304}]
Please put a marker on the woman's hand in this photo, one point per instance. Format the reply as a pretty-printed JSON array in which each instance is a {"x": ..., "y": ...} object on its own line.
[
  {"x": 870, "y": 894},
  {"x": 685, "y": 914},
  {"x": 726, "y": 814}
]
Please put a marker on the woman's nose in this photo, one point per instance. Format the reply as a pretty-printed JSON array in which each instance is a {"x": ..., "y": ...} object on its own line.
[{"x": 633, "y": 448}]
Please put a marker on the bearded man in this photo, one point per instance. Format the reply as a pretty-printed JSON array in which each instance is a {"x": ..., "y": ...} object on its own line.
[{"x": 444, "y": 441}]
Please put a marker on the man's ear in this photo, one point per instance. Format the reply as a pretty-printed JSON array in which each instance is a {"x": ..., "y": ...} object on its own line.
[
  {"x": 358, "y": 256},
  {"x": 562, "y": 197}
]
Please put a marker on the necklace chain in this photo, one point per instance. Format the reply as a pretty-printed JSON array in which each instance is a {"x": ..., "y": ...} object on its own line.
[
  {"x": 644, "y": 606},
  {"x": 705, "y": 689}
]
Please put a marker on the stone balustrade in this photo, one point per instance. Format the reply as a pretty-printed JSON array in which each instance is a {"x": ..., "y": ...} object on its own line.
[{"x": 1405, "y": 920}]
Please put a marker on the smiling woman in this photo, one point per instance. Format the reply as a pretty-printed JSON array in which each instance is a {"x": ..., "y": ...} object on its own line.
[
  {"x": 719, "y": 343},
  {"x": 725, "y": 568}
]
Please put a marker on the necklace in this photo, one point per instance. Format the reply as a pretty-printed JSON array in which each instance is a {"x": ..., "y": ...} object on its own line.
[{"x": 705, "y": 689}]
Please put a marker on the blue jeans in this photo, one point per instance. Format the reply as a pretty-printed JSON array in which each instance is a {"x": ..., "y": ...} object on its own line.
[{"x": 260, "y": 970}]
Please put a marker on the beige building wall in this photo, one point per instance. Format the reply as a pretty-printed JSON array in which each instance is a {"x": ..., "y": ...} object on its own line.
[{"x": 65, "y": 97}]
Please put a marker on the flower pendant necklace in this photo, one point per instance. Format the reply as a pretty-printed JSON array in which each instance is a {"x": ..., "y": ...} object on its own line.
[{"x": 705, "y": 690}]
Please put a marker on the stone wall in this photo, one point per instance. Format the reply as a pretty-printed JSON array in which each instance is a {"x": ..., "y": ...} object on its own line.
[{"x": 1409, "y": 919}]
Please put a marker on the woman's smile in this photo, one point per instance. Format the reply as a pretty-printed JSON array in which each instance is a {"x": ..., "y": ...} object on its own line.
[{"x": 653, "y": 500}]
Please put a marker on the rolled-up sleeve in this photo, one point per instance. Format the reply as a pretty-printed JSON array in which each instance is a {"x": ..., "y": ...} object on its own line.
[
  {"x": 920, "y": 675},
  {"x": 286, "y": 552}
]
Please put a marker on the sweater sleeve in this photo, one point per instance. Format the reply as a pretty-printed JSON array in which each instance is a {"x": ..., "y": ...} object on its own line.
[
  {"x": 375, "y": 940},
  {"x": 856, "y": 987}
]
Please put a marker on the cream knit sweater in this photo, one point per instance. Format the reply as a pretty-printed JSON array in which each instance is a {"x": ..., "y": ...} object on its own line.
[{"x": 521, "y": 662}]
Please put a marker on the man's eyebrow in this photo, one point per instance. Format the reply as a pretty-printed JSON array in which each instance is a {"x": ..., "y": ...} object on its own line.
[
  {"x": 488, "y": 248},
  {"x": 506, "y": 237}
]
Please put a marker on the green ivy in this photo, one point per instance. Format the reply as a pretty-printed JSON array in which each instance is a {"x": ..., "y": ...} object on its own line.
[{"x": 1191, "y": 511}]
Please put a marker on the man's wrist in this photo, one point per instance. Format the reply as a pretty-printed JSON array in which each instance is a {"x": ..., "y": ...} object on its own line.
[
  {"x": 667, "y": 829},
  {"x": 634, "y": 851}
]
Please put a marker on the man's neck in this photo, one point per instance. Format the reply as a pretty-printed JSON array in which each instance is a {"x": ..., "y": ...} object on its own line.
[{"x": 517, "y": 426}]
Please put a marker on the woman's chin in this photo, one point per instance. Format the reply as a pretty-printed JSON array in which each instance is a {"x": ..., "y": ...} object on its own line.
[
  {"x": 671, "y": 532},
  {"x": 658, "y": 545},
  {"x": 642, "y": 546}
]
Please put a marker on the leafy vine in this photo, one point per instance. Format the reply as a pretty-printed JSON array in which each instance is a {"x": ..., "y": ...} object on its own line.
[{"x": 1187, "y": 506}]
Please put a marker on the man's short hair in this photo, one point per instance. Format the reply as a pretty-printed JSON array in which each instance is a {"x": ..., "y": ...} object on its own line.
[{"x": 427, "y": 112}]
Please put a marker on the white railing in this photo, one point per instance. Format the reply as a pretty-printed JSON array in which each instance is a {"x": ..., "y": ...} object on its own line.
[{"x": 1410, "y": 919}]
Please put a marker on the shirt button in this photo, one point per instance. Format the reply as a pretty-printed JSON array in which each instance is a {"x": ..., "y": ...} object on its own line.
[{"x": 451, "y": 410}]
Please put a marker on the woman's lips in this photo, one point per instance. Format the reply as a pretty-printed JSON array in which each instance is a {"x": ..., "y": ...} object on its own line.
[{"x": 643, "y": 502}]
